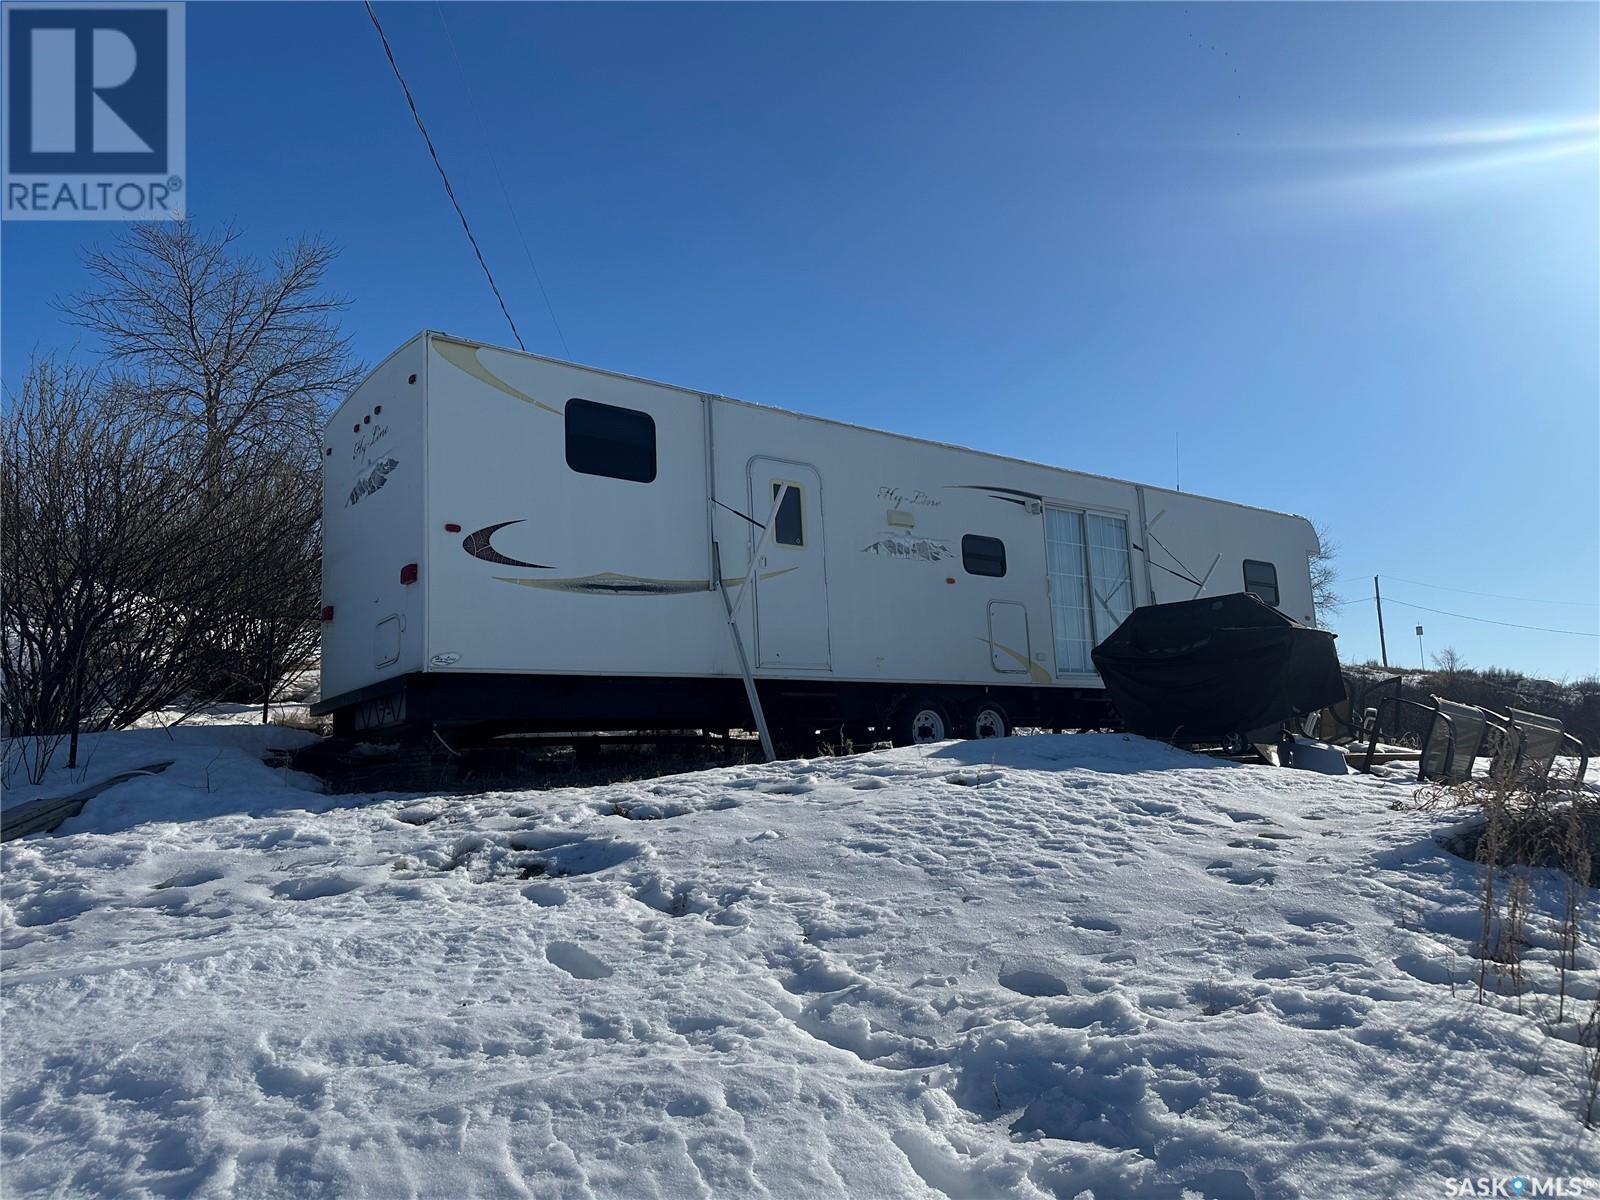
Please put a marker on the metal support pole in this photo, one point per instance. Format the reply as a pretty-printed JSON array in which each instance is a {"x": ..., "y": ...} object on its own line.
[
  {"x": 1383, "y": 646},
  {"x": 744, "y": 665},
  {"x": 730, "y": 608}
]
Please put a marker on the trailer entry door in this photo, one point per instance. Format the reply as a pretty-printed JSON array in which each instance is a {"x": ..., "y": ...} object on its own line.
[{"x": 791, "y": 583}]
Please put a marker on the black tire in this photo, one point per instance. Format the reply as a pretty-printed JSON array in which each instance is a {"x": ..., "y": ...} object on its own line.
[
  {"x": 920, "y": 721},
  {"x": 989, "y": 720}
]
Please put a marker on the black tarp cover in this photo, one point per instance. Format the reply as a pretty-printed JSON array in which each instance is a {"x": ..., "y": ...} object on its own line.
[{"x": 1216, "y": 666}]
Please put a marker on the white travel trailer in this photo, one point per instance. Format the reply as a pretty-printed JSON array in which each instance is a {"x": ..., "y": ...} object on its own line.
[{"x": 514, "y": 542}]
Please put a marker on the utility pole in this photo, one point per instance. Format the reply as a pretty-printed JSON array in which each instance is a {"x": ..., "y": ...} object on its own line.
[{"x": 1383, "y": 646}]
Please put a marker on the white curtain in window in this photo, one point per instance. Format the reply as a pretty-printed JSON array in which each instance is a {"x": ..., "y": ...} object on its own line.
[
  {"x": 1110, "y": 573},
  {"x": 1069, "y": 590}
]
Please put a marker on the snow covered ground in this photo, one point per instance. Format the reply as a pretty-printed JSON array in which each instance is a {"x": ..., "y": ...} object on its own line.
[{"x": 1048, "y": 966}]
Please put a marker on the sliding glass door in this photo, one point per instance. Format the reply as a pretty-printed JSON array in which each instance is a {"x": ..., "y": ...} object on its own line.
[{"x": 1091, "y": 582}]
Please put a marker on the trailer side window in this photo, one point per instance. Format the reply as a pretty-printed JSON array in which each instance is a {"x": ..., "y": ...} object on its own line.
[
  {"x": 789, "y": 526},
  {"x": 618, "y": 443},
  {"x": 1261, "y": 578},
  {"x": 983, "y": 555}
]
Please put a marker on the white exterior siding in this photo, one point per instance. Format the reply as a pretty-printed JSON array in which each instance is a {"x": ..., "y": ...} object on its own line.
[{"x": 583, "y": 574}]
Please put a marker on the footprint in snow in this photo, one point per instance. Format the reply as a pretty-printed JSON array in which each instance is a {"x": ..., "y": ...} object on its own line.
[
  {"x": 648, "y": 810},
  {"x": 1320, "y": 921},
  {"x": 545, "y": 895},
  {"x": 188, "y": 879},
  {"x": 688, "y": 1106},
  {"x": 315, "y": 888},
  {"x": 1425, "y": 969},
  {"x": 576, "y": 961},
  {"x": 1097, "y": 924},
  {"x": 1028, "y": 982},
  {"x": 972, "y": 778},
  {"x": 1251, "y": 877}
]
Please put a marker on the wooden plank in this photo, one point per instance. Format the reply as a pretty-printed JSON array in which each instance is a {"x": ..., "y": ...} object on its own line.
[{"x": 47, "y": 812}]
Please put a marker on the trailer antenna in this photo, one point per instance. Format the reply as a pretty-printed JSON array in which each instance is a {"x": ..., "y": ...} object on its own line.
[{"x": 449, "y": 191}]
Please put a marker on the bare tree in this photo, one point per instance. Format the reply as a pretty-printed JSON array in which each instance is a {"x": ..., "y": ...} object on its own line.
[
  {"x": 1324, "y": 576},
  {"x": 241, "y": 353},
  {"x": 239, "y": 359},
  {"x": 1450, "y": 665}
]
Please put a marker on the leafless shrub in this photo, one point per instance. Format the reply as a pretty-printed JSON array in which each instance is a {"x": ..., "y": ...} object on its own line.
[
  {"x": 106, "y": 552},
  {"x": 1520, "y": 826},
  {"x": 1513, "y": 939},
  {"x": 30, "y": 755},
  {"x": 159, "y": 512},
  {"x": 1578, "y": 867},
  {"x": 1589, "y": 1079}
]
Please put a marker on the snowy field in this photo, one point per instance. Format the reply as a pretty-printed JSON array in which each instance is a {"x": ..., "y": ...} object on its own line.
[{"x": 1048, "y": 966}]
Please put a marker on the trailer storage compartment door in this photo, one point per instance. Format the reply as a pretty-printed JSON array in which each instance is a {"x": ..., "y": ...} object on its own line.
[
  {"x": 1009, "y": 651},
  {"x": 791, "y": 583}
]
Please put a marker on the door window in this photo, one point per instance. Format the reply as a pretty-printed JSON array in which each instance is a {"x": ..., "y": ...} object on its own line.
[{"x": 789, "y": 526}]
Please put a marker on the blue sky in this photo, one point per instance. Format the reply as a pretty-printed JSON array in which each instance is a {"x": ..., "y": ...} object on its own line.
[{"x": 1347, "y": 256}]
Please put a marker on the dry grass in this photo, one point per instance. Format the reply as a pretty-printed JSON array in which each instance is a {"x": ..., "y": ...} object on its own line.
[{"x": 1514, "y": 831}]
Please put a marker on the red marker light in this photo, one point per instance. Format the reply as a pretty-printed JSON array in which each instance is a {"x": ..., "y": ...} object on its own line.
[
  {"x": 327, "y": 612},
  {"x": 452, "y": 527},
  {"x": 408, "y": 573}
]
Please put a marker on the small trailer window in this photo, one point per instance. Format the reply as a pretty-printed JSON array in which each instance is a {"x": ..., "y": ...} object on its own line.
[
  {"x": 789, "y": 527},
  {"x": 1261, "y": 578},
  {"x": 983, "y": 555},
  {"x": 618, "y": 443}
]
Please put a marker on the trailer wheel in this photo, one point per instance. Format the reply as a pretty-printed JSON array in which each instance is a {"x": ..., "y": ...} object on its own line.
[
  {"x": 920, "y": 721},
  {"x": 989, "y": 720}
]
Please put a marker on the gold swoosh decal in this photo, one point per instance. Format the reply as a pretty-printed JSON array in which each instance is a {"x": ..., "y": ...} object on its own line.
[
  {"x": 460, "y": 354},
  {"x": 1036, "y": 673},
  {"x": 609, "y": 583}
]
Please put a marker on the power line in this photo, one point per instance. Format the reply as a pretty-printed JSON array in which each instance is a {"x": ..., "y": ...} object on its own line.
[
  {"x": 1481, "y": 620},
  {"x": 1496, "y": 595},
  {"x": 449, "y": 191},
  {"x": 504, "y": 191},
  {"x": 1469, "y": 592}
]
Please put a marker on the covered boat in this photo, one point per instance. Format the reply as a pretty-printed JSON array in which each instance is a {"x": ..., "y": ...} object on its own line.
[{"x": 1215, "y": 667}]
